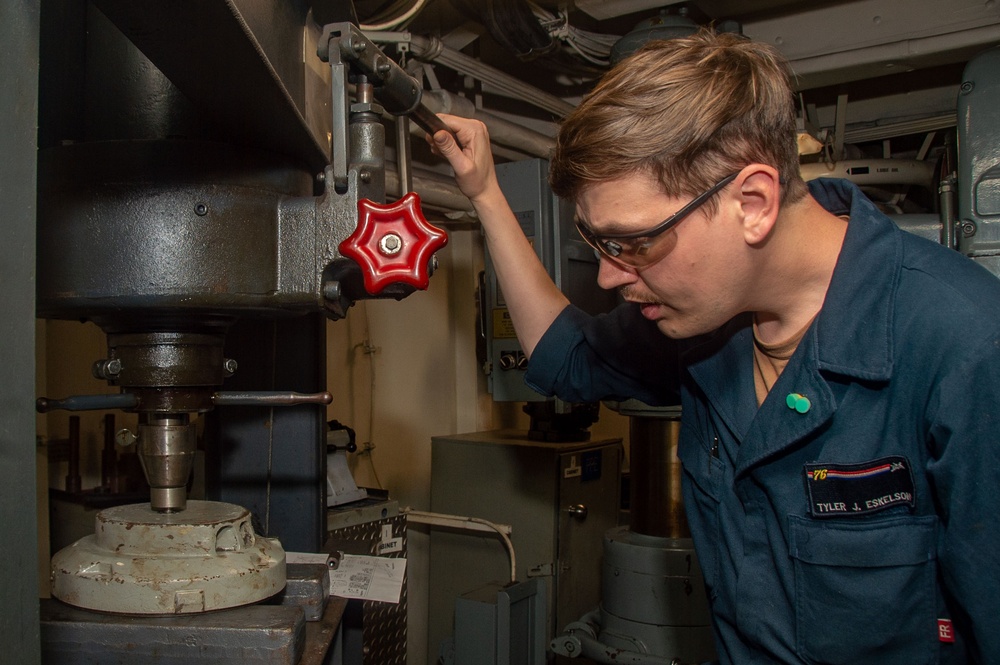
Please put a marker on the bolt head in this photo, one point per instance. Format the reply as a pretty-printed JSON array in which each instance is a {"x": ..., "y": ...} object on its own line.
[
  {"x": 390, "y": 244},
  {"x": 125, "y": 437},
  {"x": 331, "y": 290}
]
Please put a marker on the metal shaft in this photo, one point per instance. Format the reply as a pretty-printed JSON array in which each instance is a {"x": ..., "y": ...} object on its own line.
[
  {"x": 166, "y": 450},
  {"x": 656, "y": 503}
]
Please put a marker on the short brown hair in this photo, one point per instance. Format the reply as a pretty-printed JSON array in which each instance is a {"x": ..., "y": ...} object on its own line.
[{"x": 689, "y": 111}]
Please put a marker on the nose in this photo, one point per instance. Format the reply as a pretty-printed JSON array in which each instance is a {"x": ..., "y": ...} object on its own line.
[{"x": 610, "y": 275}]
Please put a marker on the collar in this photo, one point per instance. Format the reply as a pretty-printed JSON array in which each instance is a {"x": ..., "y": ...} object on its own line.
[
  {"x": 854, "y": 328},
  {"x": 851, "y": 336}
]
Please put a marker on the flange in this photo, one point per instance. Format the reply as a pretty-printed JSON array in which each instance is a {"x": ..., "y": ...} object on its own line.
[{"x": 138, "y": 561}]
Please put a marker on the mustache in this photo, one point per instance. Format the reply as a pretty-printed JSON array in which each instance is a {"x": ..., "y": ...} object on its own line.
[{"x": 630, "y": 294}]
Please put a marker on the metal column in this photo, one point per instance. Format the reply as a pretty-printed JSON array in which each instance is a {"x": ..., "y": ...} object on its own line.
[{"x": 18, "y": 108}]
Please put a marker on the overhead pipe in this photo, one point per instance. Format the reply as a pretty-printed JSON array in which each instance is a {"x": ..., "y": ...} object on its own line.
[
  {"x": 433, "y": 49},
  {"x": 501, "y": 131},
  {"x": 874, "y": 171},
  {"x": 435, "y": 190}
]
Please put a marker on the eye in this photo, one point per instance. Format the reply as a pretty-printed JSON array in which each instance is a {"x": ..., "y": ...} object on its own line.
[{"x": 612, "y": 248}]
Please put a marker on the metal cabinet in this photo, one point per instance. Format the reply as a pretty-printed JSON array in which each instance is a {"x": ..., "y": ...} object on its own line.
[{"x": 559, "y": 499}]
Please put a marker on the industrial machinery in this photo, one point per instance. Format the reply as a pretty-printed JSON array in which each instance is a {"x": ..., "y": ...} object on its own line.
[
  {"x": 653, "y": 606},
  {"x": 558, "y": 498},
  {"x": 206, "y": 213},
  {"x": 197, "y": 186}
]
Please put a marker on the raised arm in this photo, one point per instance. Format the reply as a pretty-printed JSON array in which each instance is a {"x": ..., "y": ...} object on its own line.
[{"x": 532, "y": 298}]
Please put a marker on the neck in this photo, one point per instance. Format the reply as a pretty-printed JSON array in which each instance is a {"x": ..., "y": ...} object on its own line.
[{"x": 794, "y": 269}]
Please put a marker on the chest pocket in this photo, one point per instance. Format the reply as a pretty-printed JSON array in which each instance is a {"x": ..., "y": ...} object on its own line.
[
  {"x": 704, "y": 473},
  {"x": 865, "y": 592}
]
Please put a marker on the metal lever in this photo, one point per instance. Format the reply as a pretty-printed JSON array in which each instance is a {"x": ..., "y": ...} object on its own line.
[
  {"x": 264, "y": 398},
  {"x": 87, "y": 403},
  {"x": 428, "y": 121},
  {"x": 128, "y": 401},
  {"x": 398, "y": 92}
]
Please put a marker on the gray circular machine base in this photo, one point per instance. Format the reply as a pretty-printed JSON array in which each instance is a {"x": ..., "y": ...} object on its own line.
[{"x": 138, "y": 561}]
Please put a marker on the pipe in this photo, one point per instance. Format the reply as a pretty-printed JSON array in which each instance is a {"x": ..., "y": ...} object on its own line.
[
  {"x": 433, "y": 50},
  {"x": 468, "y": 524},
  {"x": 602, "y": 653},
  {"x": 434, "y": 190},
  {"x": 579, "y": 640},
  {"x": 830, "y": 68},
  {"x": 501, "y": 131},
  {"x": 902, "y": 128},
  {"x": 403, "y": 158},
  {"x": 874, "y": 171}
]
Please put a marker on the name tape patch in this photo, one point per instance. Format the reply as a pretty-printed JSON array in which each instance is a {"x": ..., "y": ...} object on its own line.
[{"x": 836, "y": 490}]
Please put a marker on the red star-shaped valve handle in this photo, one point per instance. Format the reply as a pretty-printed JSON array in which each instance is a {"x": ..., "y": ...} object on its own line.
[{"x": 393, "y": 243}]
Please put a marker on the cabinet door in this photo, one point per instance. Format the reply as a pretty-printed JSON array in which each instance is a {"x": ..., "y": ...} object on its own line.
[{"x": 589, "y": 487}]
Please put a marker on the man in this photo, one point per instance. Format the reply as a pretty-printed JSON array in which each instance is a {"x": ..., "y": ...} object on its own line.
[{"x": 839, "y": 378}]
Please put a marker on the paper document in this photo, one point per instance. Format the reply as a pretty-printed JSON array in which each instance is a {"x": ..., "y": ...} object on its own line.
[{"x": 368, "y": 578}]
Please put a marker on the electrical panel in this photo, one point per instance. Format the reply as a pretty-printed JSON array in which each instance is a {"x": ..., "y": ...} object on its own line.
[{"x": 548, "y": 223}]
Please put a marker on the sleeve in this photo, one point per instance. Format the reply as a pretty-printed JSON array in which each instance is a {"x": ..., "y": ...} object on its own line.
[
  {"x": 614, "y": 356},
  {"x": 965, "y": 456}
]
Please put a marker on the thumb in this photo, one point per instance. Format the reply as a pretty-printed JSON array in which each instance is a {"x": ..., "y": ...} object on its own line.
[{"x": 444, "y": 141}]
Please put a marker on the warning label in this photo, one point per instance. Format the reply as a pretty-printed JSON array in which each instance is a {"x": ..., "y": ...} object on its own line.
[{"x": 503, "y": 328}]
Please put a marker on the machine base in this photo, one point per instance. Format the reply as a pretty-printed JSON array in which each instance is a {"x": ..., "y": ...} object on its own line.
[
  {"x": 142, "y": 562},
  {"x": 253, "y": 634}
]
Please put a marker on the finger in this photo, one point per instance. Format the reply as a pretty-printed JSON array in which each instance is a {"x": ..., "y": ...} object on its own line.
[
  {"x": 465, "y": 130},
  {"x": 445, "y": 142}
]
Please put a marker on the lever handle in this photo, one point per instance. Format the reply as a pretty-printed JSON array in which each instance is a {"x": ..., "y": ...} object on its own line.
[
  {"x": 428, "y": 121},
  {"x": 269, "y": 398}
]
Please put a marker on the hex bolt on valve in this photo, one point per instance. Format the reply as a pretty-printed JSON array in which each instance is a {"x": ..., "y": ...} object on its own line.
[{"x": 390, "y": 244}]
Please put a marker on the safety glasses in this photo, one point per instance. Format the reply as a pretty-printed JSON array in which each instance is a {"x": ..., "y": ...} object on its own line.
[{"x": 641, "y": 248}]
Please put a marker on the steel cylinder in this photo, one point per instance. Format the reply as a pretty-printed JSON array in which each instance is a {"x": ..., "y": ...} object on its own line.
[
  {"x": 653, "y": 598},
  {"x": 166, "y": 449},
  {"x": 656, "y": 505}
]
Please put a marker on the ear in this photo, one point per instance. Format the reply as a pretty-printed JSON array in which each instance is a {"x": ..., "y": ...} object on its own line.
[{"x": 759, "y": 200}]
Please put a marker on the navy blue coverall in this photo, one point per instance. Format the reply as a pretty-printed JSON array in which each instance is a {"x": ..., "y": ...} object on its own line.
[{"x": 865, "y": 527}]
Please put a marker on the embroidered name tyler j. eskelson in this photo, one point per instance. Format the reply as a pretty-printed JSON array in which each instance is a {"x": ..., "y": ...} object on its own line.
[{"x": 837, "y": 490}]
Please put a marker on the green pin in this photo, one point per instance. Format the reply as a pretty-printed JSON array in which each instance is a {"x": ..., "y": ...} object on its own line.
[{"x": 798, "y": 403}]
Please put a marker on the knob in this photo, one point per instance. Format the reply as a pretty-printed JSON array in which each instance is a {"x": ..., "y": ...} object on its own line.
[
  {"x": 393, "y": 243},
  {"x": 507, "y": 361},
  {"x": 579, "y": 511}
]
